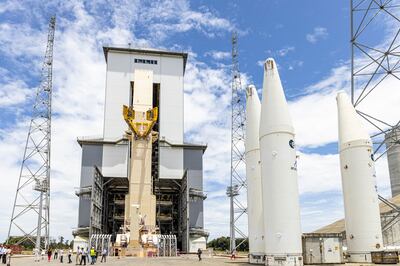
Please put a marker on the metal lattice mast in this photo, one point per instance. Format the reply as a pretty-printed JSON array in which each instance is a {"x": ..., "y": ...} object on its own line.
[
  {"x": 30, "y": 214},
  {"x": 238, "y": 178},
  {"x": 374, "y": 62}
]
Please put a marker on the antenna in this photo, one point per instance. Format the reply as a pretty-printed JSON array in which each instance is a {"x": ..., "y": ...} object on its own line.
[
  {"x": 238, "y": 178},
  {"x": 32, "y": 198}
]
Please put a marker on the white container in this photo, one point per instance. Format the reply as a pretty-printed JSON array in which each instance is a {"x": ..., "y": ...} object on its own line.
[
  {"x": 357, "y": 167},
  {"x": 279, "y": 174},
  {"x": 253, "y": 177}
]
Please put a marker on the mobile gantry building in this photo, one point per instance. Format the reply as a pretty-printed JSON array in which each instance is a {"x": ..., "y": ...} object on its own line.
[{"x": 176, "y": 166}]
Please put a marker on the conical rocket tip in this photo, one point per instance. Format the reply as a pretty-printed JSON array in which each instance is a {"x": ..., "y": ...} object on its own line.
[
  {"x": 269, "y": 64},
  {"x": 251, "y": 90},
  {"x": 350, "y": 126}
]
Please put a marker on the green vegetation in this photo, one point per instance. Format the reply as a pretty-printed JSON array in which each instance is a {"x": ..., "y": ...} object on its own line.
[
  {"x": 27, "y": 244},
  {"x": 222, "y": 244}
]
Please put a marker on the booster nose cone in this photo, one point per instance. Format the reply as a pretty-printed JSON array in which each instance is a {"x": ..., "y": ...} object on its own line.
[
  {"x": 253, "y": 175},
  {"x": 357, "y": 168},
  {"x": 350, "y": 126},
  {"x": 275, "y": 112},
  {"x": 251, "y": 90},
  {"x": 253, "y": 110},
  {"x": 279, "y": 174}
]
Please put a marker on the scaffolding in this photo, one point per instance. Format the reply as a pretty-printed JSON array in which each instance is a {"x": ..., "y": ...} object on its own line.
[
  {"x": 167, "y": 193},
  {"x": 113, "y": 213}
]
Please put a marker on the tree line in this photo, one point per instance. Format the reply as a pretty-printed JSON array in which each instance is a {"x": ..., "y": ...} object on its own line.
[
  {"x": 222, "y": 244},
  {"x": 27, "y": 244}
]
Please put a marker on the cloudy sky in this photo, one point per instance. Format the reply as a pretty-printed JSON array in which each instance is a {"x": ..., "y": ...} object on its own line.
[{"x": 308, "y": 39}]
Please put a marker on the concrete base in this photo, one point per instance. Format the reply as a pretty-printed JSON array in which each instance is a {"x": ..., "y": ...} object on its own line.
[
  {"x": 196, "y": 243},
  {"x": 134, "y": 252},
  {"x": 284, "y": 260},
  {"x": 359, "y": 257},
  {"x": 134, "y": 244},
  {"x": 256, "y": 258}
]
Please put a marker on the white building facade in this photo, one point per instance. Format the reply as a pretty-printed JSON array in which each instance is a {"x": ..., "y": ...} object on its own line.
[{"x": 176, "y": 165}]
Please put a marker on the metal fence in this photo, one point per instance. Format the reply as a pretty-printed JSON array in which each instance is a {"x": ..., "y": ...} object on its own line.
[
  {"x": 167, "y": 246},
  {"x": 100, "y": 242}
]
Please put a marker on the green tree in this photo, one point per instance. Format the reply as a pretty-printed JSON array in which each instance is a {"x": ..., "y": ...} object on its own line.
[
  {"x": 26, "y": 244},
  {"x": 222, "y": 244}
]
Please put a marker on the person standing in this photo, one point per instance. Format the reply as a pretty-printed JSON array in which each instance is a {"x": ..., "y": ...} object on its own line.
[
  {"x": 92, "y": 255},
  {"x": 69, "y": 256},
  {"x": 49, "y": 255},
  {"x": 55, "y": 254},
  {"x": 78, "y": 256},
  {"x": 8, "y": 256},
  {"x": 104, "y": 255},
  {"x": 86, "y": 254},
  {"x": 199, "y": 253},
  {"x": 61, "y": 255},
  {"x": 233, "y": 254},
  {"x": 83, "y": 257},
  {"x": 36, "y": 254},
  {"x": 2, "y": 253}
]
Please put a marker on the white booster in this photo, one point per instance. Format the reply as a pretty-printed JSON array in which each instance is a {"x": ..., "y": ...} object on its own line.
[
  {"x": 253, "y": 177},
  {"x": 282, "y": 227},
  {"x": 357, "y": 167}
]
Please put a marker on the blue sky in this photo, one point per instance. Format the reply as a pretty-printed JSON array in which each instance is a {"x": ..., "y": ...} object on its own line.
[{"x": 308, "y": 39}]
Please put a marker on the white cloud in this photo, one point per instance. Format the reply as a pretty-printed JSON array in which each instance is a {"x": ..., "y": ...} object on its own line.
[
  {"x": 319, "y": 33},
  {"x": 284, "y": 51},
  {"x": 322, "y": 96},
  {"x": 13, "y": 93},
  {"x": 12, "y": 32},
  {"x": 318, "y": 173},
  {"x": 10, "y": 6},
  {"x": 168, "y": 17},
  {"x": 218, "y": 55},
  {"x": 281, "y": 52},
  {"x": 78, "y": 82},
  {"x": 295, "y": 64}
]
